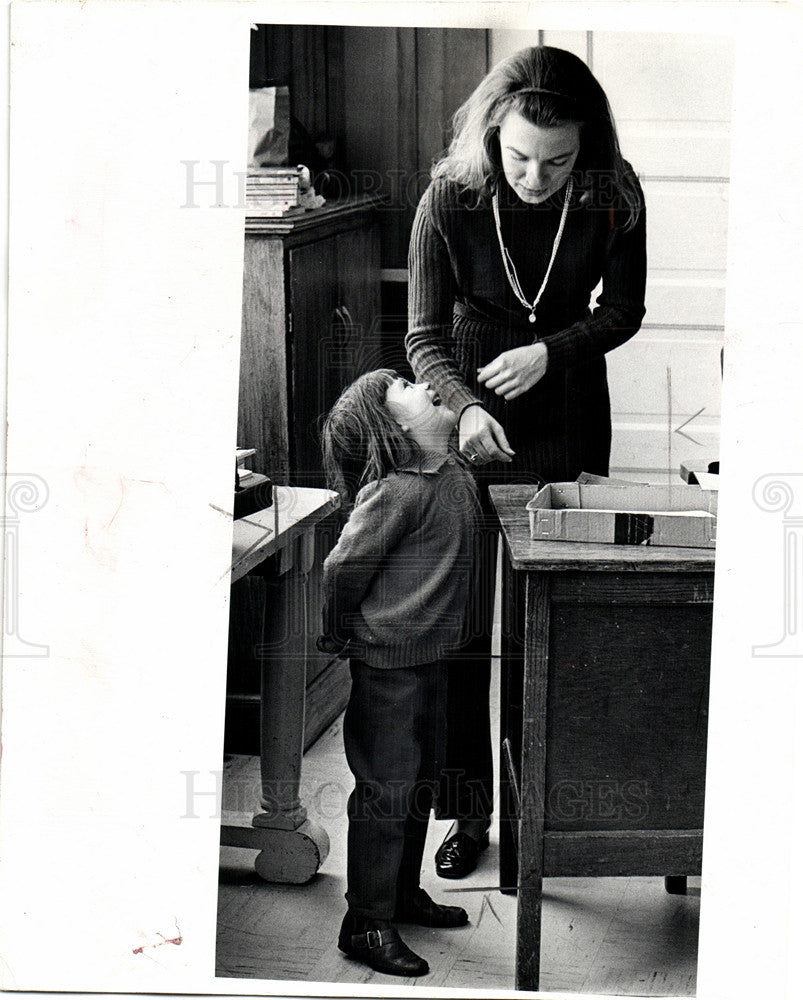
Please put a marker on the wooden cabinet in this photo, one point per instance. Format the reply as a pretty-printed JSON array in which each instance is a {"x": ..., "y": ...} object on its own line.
[
  {"x": 310, "y": 317},
  {"x": 311, "y": 311}
]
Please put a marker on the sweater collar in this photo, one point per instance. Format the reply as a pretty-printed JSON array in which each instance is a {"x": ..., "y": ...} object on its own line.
[{"x": 428, "y": 462}]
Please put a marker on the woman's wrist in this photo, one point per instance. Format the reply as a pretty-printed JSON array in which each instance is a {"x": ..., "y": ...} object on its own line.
[
  {"x": 542, "y": 354},
  {"x": 461, "y": 409},
  {"x": 563, "y": 347},
  {"x": 465, "y": 408}
]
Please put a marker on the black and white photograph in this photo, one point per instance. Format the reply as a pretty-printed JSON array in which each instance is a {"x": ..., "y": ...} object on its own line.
[
  {"x": 509, "y": 246},
  {"x": 402, "y": 502}
]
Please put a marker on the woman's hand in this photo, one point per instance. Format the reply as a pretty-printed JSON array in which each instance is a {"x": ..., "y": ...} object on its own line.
[
  {"x": 516, "y": 371},
  {"x": 482, "y": 439}
]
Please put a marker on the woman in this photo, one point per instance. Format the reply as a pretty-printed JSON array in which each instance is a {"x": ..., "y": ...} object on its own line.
[{"x": 529, "y": 209}]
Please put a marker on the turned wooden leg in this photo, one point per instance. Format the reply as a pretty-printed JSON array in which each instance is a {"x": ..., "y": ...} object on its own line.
[{"x": 293, "y": 847}]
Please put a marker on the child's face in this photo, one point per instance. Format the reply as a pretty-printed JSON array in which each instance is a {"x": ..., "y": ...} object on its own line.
[{"x": 418, "y": 410}]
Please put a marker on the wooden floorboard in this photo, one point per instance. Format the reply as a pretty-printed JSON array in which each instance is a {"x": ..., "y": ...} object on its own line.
[{"x": 619, "y": 936}]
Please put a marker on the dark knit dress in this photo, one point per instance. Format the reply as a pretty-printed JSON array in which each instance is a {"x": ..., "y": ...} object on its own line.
[{"x": 462, "y": 314}]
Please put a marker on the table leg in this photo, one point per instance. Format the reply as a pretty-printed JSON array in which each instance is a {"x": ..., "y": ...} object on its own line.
[
  {"x": 533, "y": 772},
  {"x": 292, "y": 847},
  {"x": 511, "y": 690},
  {"x": 675, "y": 885}
]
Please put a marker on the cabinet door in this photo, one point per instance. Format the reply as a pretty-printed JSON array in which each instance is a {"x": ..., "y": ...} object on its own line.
[
  {"x": 360, "y": 347},
  {"x": 315, "y": 331},
  {"x": 262, "y": 414},
  {"x": 335, "y": 333}
]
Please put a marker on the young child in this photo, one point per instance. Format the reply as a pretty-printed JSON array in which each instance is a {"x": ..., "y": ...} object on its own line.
[{"x": 395, "y": 589}]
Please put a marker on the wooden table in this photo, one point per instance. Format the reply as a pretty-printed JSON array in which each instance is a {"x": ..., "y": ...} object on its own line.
[
  {"x": 280, "y": 541},
  {"x": 606, "y": 653}
]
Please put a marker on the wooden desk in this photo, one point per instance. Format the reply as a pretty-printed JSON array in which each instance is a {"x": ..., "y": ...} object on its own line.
[
  {"x": 292, "y": 846},
  {"x": 312, "y": 321},
  {"x": 606, "y": 653}
]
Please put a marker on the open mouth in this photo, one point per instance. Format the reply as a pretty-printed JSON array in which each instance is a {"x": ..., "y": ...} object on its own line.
[{"x": 436, "y": 400}]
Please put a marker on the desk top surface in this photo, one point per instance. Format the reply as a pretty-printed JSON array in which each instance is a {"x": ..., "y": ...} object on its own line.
[
  {"x": 260, "y": 535},
  {"x": 541, "y": 555}
]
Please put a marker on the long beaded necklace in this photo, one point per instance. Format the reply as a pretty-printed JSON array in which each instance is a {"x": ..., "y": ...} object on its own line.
[{"x": 507, "y": 260}]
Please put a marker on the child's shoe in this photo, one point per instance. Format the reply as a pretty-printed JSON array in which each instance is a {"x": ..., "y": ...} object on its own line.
[
  {"x": 378, "y": 944},
  {"x": 420, "y": 909}
]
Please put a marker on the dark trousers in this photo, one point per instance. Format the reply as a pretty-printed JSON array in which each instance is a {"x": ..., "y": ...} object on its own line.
[
  {"x": 466, "y": 786},
  {"x": 559, "y": 429},
  {"x": 392, "y": 733}
]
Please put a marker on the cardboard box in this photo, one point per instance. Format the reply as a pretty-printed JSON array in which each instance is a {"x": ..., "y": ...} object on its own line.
[{"x": 598, "y": 510}]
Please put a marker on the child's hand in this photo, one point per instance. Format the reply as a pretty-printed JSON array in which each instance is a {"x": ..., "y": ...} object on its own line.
[
  {"x": 482, "y": 439},
  {"x": 342, "y": 648},
  {"x": 328, "y": 644}
]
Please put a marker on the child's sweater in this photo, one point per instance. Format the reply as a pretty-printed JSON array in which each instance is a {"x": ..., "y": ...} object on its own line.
[{"x": 396, "y": 584}]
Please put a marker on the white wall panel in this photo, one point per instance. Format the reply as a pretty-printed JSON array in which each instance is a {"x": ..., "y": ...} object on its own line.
[
  {"x": 638, "y": 379},
  {"x": 506, "y": 41},
  {"x": 663, "y": 77},
  {"x": 691, "y": 298},
  {"x": 676, "y": 149},
  {"x": 687, "y": 225},
  {"x": 646, "y": 445}
]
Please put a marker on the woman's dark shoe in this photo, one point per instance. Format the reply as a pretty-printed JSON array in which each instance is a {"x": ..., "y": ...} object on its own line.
[
  {"x": 420, "y": 909},
  {"x": 379, "y": 947},
  {"x": 458, "y": 854}
]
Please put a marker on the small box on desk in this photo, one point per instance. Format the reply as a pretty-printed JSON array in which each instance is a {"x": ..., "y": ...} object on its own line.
[
  {"x": 594, "y": 509},
  {"x": 252, "y": 493}
]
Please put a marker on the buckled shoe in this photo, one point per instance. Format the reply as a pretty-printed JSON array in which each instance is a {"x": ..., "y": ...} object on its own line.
[{"x": 379, "y": 947}]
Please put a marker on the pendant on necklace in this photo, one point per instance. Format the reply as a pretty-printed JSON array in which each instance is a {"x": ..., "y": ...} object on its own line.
[{"x": 531, "y": 317}]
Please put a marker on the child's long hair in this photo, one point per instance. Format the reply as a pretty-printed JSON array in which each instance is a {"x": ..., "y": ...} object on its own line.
[
  {"x": 361, "y": 441},
  {"x": 548, "y": 87}
]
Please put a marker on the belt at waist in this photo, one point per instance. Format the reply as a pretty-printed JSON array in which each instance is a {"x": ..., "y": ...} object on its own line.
[{"x": 525, "y": 330}]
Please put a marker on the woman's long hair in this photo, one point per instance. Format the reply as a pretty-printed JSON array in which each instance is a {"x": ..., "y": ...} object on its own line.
[
  {"x": 361, "y": 441},
  {"x": 548, "y": 87}
]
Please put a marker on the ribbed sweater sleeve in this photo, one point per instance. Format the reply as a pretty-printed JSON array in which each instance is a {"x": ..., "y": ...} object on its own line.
[
  {"x": 432, "y": 293},
  {"x": 384, "y": 513},
  {"x": 440, "y": 236},
  {"x": 620, "y": 306}
]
